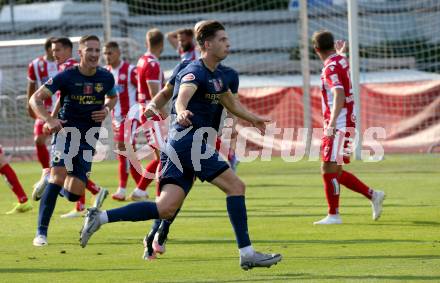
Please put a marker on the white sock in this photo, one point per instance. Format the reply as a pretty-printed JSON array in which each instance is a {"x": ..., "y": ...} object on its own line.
[
  {"x": 103, "y": 217},
  {"x": 121, "y": 190},
  {"x": 247, "y": 251},
  {"x": 140, "y": 192}
]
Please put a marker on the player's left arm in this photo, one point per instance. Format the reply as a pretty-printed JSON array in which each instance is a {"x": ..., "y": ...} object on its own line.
[
  {"x": 233, "y": 105},
  {"x": 109, "y": 104}
]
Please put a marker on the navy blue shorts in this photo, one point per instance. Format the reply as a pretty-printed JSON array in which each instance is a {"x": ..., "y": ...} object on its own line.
[
  {"x": 79, "y": 164},
  {"x": 182, "y": 170}
]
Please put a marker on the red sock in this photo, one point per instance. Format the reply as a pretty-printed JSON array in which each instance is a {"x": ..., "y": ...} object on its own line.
[
  {"x": 12, "y": 179},
  {"x": 123, "y": 172},
  {"x": 151, "y": 168},
  {"x": 81, "y": 203},
  {"x": 218, "y": 143},
  {"x": 92, "y": 187},
  {"x": 135, "y": 174},
  {"x": 43, "y": 155},
  {"x": 331, "y": 187},
  {"x": 350, "y": 181}
]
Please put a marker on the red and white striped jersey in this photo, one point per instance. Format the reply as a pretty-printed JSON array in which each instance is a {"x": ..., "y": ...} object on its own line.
[
  {"x": 40, "y": 70},
  {"x": 69, "y": 63},
  {"x": 148, "y": 69},
  {"x": 191, "y": 54},
  {"x": 125, "y": 76},
  {"x": 336, "y": 74}
]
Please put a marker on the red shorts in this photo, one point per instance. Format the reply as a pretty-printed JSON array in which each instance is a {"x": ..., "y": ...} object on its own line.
[
  {"x": 338, "y": 148},
  {"x": 121, "y": 134},
  {"x": 38, "y": 127}
]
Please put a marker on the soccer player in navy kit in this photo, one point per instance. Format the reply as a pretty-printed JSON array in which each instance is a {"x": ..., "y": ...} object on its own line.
[
  {"x": 87, "y": 96},
  {"x": 199, "y": 89},
  {"x": 155, "y": 240}
]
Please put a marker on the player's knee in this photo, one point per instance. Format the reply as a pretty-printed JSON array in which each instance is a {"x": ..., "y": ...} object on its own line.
[
  {"x": 71, "y": 196},
  {"x": 57, "y": 179},
  {"x": 121, "y": 146},
  {"x": 239, "y": 188},
  {"x": 40, "y": 140},
  {"x": 167, "y": 212}
]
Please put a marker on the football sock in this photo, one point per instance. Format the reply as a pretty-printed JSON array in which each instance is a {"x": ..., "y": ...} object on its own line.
[
  {"x": 122, "y": 169},
  {"x": 81, "y": 203},
  {"x": 12, "y": 179},
  {"x": 237, "y": 215},
  {"x": 43, "y": 155},
  {"x": 145, "y": 181},
  {"x": 164, "y": 228},
  {"x": 350, "y": 181},
  {"x": 137, "y": 211},
  {"x": 135, "y": 174},
  {"x": 246, "y": 251},
  {"x": 92, "y": 187},
  {"x": 69, "y": 195},
  {"x": 331, "y": 187},
  {"x": 47, "y": 206}
]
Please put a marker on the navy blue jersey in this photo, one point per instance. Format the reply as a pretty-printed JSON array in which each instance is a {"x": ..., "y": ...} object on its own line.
[
  {"x": 205, "y": 102},
  {"x": 81, "y": 95},
  {"x": 182, "y": 65}
]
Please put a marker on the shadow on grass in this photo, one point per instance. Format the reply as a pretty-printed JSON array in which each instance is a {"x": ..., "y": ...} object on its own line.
[
  {"x": 56, "y": 270},
  {"x": 287, "y": 276}
]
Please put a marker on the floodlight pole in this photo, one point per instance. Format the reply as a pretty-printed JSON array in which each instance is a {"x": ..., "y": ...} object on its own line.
[
  {"x": 305, "y": 71},
  {"x": 353, "y": 40},
  {"x": 107, "y": 22}
]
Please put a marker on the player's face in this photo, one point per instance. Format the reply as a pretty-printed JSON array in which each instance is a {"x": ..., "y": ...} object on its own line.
[
  {"x": 185, "y": 42},
  {"x": 89, "y": 53},
  {"x": 111, "y": 56},
  {"x": 219, "y": 45},
  {"x": 61, "y": 53},
  {"x": 49, "y": 54}
]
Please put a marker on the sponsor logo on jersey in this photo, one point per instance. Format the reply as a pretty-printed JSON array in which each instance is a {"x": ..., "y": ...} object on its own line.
[
  {"x": 188, "y": 77},
  {"x": 99, "y": 87},
  {"x": 88, "y": 88}
]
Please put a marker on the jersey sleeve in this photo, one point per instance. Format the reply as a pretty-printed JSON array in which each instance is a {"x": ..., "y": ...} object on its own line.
[
  {"x": 152, "y": 72},
  {"x": 176, "y": 70},
  {"x": 333, "y": 76},
  {"x": 235, "y": 81},
  {"x": 31, "y": 72},
  {"x": 191, "y": 76},
  {"x": 113, "y": 91},
  {"x": 56, "y": 83},
  {"x": 133, "y": 75}
]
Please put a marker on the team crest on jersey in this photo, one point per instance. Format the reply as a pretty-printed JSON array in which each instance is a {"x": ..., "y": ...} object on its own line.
[
  {"x": 343, "y": 63},
  {"x": 122, "y": 77},
  {"x": 188, "y": 77},
  {"x": 99, "y": 87},
  {"x": 88, "y": 88},
  {"x": 218, "y": 84}
]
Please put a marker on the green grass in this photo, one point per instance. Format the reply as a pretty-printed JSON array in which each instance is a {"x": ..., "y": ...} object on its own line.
[{"x": 283, "y": 200}]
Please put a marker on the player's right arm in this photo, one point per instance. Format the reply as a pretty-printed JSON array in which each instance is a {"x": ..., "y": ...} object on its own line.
[
  {"x": 37, "y": 103},
  {"x": 172, "y": 39},
  {"x": 159, "y": 101},
  {"x": 31, "y": 88},
  {"x": 186, "y": 92}
]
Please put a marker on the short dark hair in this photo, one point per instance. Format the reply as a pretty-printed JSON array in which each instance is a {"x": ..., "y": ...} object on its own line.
[
  {"x": 323, "y": 40},
  {"x": 48, "y": 43},
  {"x": 112, "y": 44},
  {"x": 64, "y": 41},
  {"x": 186, "y": 31},
  {"x": 154, "y": 37},
  {"x": 86, "y": 38},
  {"x": 206, "y": 30}
]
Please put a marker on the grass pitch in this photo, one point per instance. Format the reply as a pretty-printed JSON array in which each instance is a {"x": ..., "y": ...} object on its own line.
[{"x": 283, "y": 199}]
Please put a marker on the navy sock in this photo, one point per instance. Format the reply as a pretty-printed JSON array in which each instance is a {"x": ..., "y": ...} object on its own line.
[
  {"x": 137, "y": 211},
  {"x": 154, "y": 228},
  {"x": 164, "y": 228},
  {"x": 69, "y": 196},
  {"x": 237, "y": 215},
  {"x": 47, "y": 206}
]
